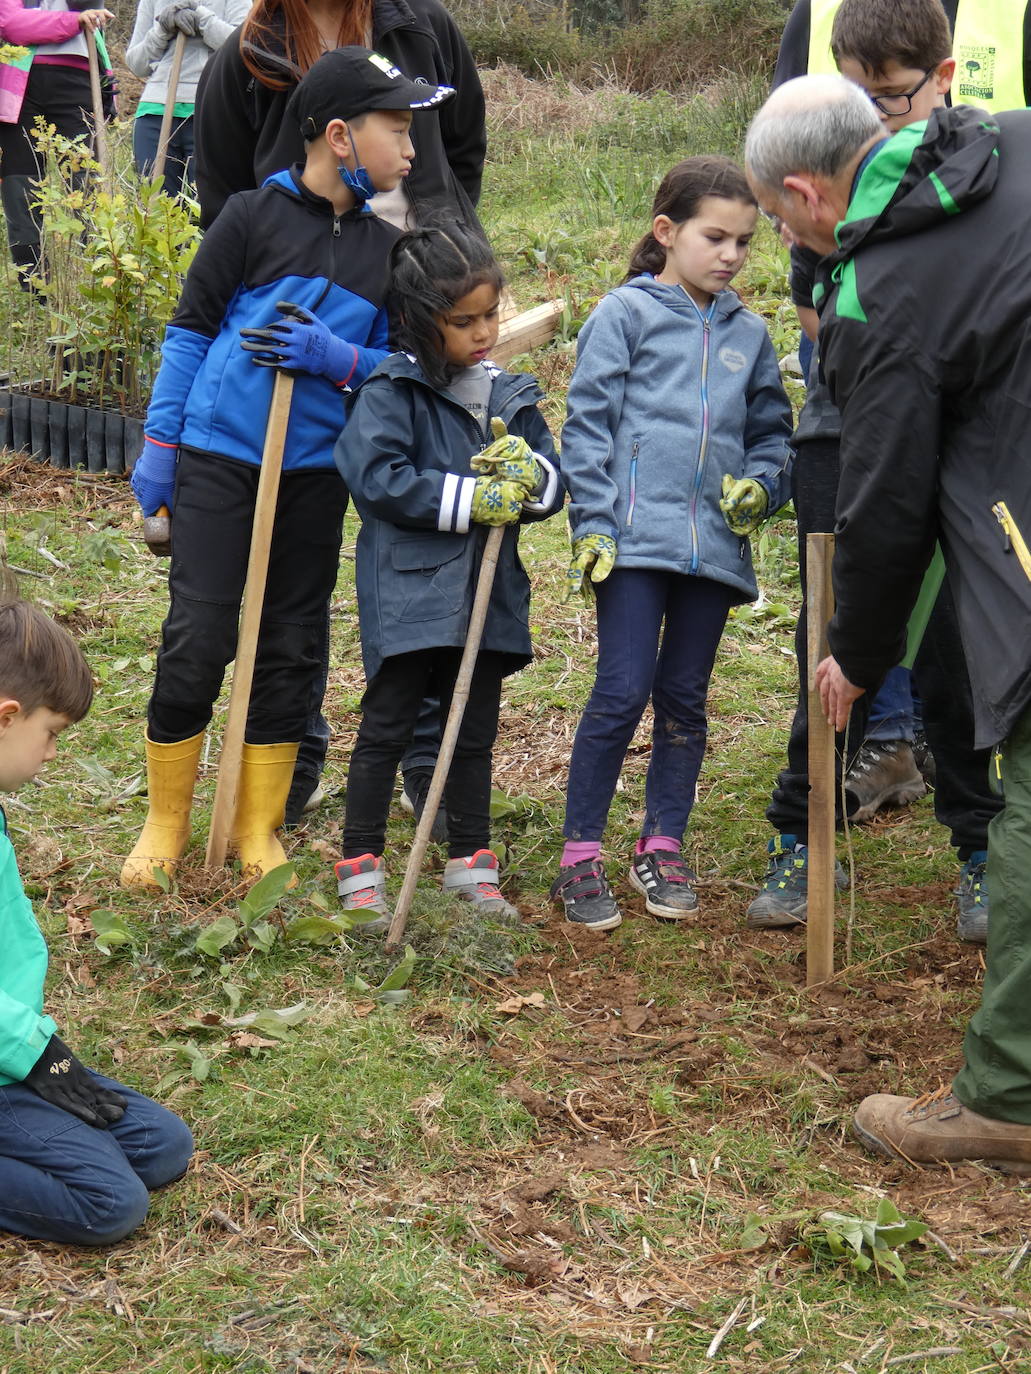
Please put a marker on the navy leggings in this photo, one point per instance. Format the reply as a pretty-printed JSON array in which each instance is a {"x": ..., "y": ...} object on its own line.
[{"x": 633, "y": 667}]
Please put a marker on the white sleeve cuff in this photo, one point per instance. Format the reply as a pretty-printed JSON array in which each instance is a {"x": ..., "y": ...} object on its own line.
[
  {"x": 546, "y": 498},
  {"x": 456, "y": 504}
]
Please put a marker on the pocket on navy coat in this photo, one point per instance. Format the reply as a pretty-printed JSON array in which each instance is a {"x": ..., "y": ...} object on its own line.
[{"x": 430, "y": 575}]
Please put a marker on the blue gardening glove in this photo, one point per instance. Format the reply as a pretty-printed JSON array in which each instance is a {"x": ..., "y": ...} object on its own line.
[
  {"x": 743, "y": 503},
  {"x": 301, "y": 343},
  {"x": 497, "y": 501},
  {"x": 153, "y": 476},
  {"x": 594, "y": 556}
]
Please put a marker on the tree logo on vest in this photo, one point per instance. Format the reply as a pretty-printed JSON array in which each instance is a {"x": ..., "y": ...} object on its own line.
[{"x": 975, "y": 71}]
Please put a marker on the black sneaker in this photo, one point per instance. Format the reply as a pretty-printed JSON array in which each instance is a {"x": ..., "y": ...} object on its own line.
[
  {"x": 972, "y": 896},
  {"x": 784, "y": 896},
  {"x": 414, "y": 791},
  {"x": 666, "y": 881},
  {"x": 586, "y": 896}
]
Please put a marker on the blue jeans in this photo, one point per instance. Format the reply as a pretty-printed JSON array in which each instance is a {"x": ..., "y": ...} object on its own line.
[
  {"x": 146, "y": 134},
  {"x": 65, "y": 1181},
  {"x": 632, "y": 667},
  {"x": 891, "y": 711}
]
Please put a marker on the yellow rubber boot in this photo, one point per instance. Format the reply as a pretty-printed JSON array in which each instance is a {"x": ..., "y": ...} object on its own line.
[
  {"x": 265, "y": 776},
  {"x": 171, "y": 774}
]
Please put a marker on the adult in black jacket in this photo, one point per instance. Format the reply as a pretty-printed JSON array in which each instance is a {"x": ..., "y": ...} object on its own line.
[
  {"x": 241, "y": 135},
  {"x": 934, "y": 388}
]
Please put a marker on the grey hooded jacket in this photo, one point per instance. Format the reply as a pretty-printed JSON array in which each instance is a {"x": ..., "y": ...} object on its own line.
[
  {"x": 149, "y": 53},
  {"x": 665, "y": 399}
]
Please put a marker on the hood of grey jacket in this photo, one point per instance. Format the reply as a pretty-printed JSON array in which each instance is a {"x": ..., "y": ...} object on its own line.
[{"x": 667, "y": 398}]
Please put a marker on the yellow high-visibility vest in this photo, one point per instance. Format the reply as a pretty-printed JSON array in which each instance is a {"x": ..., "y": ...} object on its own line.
[{"x": 988, "y": 45}]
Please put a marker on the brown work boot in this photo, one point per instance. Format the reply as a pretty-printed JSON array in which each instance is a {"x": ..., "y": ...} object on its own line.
[
  {"x": 883, "y": 773},
  {"x": 937, "y": 1129}
]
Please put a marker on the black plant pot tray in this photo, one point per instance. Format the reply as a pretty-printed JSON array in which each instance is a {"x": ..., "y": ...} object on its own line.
[{"x": 68, "y": 436}]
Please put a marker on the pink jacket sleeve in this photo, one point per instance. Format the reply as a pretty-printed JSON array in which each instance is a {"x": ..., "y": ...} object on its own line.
[{"x": 25, "y": 27}]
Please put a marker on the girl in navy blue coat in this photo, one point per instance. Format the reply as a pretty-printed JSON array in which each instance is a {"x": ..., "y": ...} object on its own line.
[
  {"x": 418, "y": 459},
  {"x": 673, "y": 451}
]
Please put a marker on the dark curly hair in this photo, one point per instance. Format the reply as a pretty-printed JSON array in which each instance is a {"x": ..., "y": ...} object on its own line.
[{"x": 431, "y": 269}]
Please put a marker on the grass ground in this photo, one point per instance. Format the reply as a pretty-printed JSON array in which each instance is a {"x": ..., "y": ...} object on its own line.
[{"x": 564, "y": 1153}]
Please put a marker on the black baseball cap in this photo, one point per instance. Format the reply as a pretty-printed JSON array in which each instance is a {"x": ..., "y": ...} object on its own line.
[{"x": 347, "y": 82}]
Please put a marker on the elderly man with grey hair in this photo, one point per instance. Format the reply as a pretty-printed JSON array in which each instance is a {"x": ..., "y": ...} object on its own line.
[{"x": 924, "y": 295}]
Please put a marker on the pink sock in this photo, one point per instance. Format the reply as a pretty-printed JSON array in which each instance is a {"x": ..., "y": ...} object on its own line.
[
  {"x": 575, "y": 851},
  {"x": 650, "y": 843}
]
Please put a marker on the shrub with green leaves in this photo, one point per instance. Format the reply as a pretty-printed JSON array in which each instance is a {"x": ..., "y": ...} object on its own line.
[{"x": 114, "y": 259}]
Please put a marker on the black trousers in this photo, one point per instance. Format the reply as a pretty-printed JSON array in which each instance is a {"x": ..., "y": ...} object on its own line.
[
  {"x": 211, "y": 532},
  {"x": 390, "y": 709},
  {"x": 963, "y": 800}
]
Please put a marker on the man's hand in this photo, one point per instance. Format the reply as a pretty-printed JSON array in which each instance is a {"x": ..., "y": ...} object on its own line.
[
  {"x": 594, "y": 556},
  {"x": 59, "y": 1078},
  {"x": 836, "y": 692}
]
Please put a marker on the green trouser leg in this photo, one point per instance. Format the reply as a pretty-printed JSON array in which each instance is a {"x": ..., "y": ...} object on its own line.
[{"x": 996, "y": 1078}]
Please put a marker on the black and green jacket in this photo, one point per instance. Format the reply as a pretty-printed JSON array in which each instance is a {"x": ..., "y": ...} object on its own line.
[{"x": 925, "y": 331}]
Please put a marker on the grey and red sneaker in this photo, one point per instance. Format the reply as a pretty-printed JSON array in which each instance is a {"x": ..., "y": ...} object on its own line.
[
  {"x": 585, "y": 895},
  {"x": 362, "y": 887},
  {"x": 476, "y": 880}
]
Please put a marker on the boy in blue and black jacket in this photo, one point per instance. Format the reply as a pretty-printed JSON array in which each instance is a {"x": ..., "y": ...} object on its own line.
[{"x": 307, "y": 245}]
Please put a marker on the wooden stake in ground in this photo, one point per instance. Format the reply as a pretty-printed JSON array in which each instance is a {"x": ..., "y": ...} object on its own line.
[
  {"x": 99, "y": 125},
  {"x": 167, "y": 114},
  {"x": 477, "y": 620},
  {"x": 231, "y": 756},
  {"x": 820, "y": 875}
]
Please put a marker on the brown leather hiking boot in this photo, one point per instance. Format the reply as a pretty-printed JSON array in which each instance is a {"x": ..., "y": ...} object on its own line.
[
  {"x": 883, "y": 773},
  {"x": 937, "y": 1129}
]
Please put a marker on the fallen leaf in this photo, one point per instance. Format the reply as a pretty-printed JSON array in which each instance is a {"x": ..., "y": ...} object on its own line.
[
  {"x": 325, "y": 850},
  {"x": 244, "y": 1040},
  {"x": 633, "y": 1296},
  {"x": 513, "y": 1005},
  {"x": 79, "y": 924},
  {"x": 635, "y": 1017}
]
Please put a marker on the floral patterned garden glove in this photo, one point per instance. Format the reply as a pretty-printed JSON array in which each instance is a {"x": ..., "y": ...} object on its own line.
[
  {"x": 497, "y": 501},
  {"x": 511, "y": 457},
  {"x": 744, "y": 504},
  {"x": 594, "y": 556}
]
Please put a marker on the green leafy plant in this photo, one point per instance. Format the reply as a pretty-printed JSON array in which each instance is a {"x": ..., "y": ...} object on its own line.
[
  {"x": 113, "y": 262},
  {"x": 250, "y": 922},
  {"x": 862, "y": 1243},
  {"x": 111, "y": 930},
  {"x": 394, "y": 987}
]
